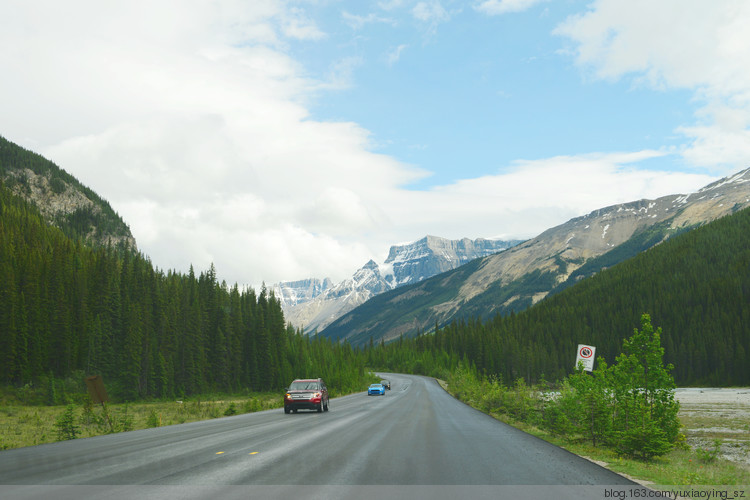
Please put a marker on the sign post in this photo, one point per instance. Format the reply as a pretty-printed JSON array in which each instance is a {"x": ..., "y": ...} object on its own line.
[
  {"x": 98, "y": 393},
  {"x": 585, "y": 357}
]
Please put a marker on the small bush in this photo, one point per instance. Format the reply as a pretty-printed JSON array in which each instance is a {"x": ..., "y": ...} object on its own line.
[
  {"x": 125, "y": 422},
  {"x": 66, "y": 427},
  {"x": 153, "y": 420},
  {"x": 708, "y": 456},
  {"x": 88, "y": 417},
  {"x": 252, "y": 406},
  {"x": 231, "y": 410}
]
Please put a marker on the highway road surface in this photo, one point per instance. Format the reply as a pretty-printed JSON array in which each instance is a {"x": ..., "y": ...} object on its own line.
[{"x": 414, "y": 442}]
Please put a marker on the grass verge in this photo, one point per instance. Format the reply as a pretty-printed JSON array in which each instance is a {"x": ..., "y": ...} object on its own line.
[
  {"x": 26, "y": 421},
  {"x": 22, "y": 425}
]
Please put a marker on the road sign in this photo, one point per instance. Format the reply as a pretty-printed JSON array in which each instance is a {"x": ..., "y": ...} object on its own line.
[
  {"x": 95, "y": 385},
  {"x": 585, "y": 356}
]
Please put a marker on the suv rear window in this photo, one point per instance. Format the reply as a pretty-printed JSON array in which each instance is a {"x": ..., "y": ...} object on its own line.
[{"x": 304, "y": 386}]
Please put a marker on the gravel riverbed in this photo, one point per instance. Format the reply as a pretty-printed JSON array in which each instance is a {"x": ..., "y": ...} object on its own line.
[{"x": 711, "y": 414}]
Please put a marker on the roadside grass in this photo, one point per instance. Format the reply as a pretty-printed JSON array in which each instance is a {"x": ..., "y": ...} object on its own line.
[
  {"x": 682, "y": 466},
  {"x": 22, "y": 425}
]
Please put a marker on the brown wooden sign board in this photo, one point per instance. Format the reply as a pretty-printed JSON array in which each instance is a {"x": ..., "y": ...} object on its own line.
[{"x": 95, "y": 385}]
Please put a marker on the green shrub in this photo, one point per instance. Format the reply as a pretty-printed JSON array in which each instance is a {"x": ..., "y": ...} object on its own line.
[
  {"x": 66, "y": 427},
  {"x": 709, "y": 455},
  {"x": 252, "y": 405},
  {"x": 153, "y": 419},
  {"x": 231, "y": 410}
]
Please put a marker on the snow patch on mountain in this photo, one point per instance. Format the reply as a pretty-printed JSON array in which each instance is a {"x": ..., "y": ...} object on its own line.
[{"x": 313, "y": 304}]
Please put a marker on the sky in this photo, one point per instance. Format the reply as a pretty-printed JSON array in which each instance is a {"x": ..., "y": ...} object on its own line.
[{"x": 288, "y": 139}]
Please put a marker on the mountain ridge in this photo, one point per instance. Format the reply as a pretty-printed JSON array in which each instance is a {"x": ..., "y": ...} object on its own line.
[
  {"x": 313, "y": 304},
  {"x": 528, "y": 272},
  {"x": 62, "y": 199}
]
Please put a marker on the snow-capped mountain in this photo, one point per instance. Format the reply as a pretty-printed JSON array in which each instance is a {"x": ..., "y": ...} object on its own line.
[
  {"x": 313, "y": 304},
  {"x": 292, "y": 293},
  {"x": 527, "y": 273},
  {"x": 431, "y": 255}
]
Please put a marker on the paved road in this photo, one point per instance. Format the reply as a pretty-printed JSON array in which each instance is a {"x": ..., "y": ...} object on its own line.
[{"x": 416, "y": 438}]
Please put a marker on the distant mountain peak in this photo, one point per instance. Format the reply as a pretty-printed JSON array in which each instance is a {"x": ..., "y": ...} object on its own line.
[{"x": 314, "y": 308}]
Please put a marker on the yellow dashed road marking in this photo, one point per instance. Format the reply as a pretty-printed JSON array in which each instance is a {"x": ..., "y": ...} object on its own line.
[{"x": 219, "y": 452}]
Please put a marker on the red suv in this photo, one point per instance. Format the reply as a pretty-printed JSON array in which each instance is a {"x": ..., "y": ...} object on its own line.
[{"x": 307, "y": 393}]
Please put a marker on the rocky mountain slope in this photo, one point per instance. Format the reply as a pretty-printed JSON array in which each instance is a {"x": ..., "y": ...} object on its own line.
[
  {"x": 526, "y": 273},
  {"x": 61, "y": 198},
  {"x": 313, "y": 304}
]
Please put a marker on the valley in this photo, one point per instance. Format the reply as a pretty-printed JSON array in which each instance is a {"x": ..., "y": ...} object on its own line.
[
  {"x": 529, "y": 219},
  {"x": 160, "y": 335}
]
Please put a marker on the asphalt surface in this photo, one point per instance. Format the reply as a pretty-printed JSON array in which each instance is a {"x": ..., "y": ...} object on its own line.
[{"x": 414, "y": 442}]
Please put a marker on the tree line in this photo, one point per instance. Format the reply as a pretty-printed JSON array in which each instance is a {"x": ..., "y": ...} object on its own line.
[{"x": 67, "y": 308}]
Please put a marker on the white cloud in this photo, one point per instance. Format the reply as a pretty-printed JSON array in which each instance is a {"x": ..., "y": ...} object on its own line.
[
  {"x": 430, "y": 15},
  {"x": 338, "y": 211},
  {"x": 296, "y": 24},
  {"x": 535, "y": 195},
  {"x": 341, "y": 74},
  {"x": 716, "y": 146},
  {"x": 498, "y": 7},
  {"x": 676, "y": 44},
  {"x": 193, "y": 122},
  {"x": 430, "y": 12},
  {"x": 394, "y": 55},
  {"x": 391, "y": 4},
  {"x": 357, "y": 22}
]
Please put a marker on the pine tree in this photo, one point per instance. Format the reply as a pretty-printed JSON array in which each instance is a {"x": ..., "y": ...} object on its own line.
[
  {"x": 646, "y": 411},
  {"x": 593, "y": 409}
]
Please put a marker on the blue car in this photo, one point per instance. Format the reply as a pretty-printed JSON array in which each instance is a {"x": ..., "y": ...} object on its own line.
[{"x": 376, "y": 390}]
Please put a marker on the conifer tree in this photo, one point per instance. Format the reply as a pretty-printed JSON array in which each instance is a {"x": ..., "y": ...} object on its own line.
[{"x": 646, "y": 412}]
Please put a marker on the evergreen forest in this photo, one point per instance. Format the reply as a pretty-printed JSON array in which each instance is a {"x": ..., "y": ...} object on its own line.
[
  {"x": 70, "y": 310},
  {"x": 696, "y": 285}
]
